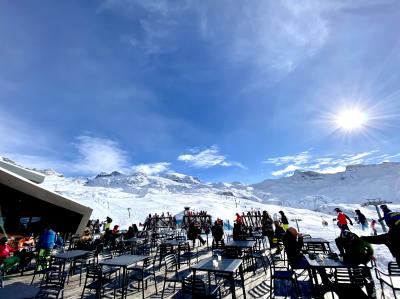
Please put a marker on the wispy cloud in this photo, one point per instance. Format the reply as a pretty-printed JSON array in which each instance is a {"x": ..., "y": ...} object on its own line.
[
  {"x": 151, "y": 168},
  {"x": 274, "y": 37},
  {"x": 298, "y": 159},
  {"x": 99, "y": 154},
  {"x": 207, "y": 158},
  {"x": 326, "y": 164}
]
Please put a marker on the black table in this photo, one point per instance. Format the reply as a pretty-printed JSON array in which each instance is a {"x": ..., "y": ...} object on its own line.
[
  {"x": 249, "y": 245},
  {"x": 225, "y": 266},
  {"x": 19, "y": 290},
  {"x": 69, "y": 256},
  {"x": 124, "y": 261},
  {"x": 331, "y": 263}
]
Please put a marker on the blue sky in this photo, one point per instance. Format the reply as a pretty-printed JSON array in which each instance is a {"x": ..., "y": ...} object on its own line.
[{"x": 222, "y": 90}]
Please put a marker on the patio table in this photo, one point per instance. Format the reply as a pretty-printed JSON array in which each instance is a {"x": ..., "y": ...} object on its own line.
[
  {"x": 249, "y": 245},
  {"x": 318, "y": 264},
  {"x": 19, "y": 290},
  {"x": 225, "y": 266},
  {"x": 124, "y": 261}
]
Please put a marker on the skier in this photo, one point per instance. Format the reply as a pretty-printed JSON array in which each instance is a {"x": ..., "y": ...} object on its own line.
[
  {"x": 373, "y": 227},
  {"x": 361, "y": 219},
  {"x": 342, "y": 220}
]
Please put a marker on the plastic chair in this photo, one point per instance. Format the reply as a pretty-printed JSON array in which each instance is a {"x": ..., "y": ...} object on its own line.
[
  {"x": 196, "y": 288},
  {"x": 171, "y": 271},
  {"x": 143, "y": 274},
  {"x": 95, "y": 280},
  {"x": 391, "y": 279},
  {"x": 52, "y": 286},
  {"x": 281, "y": 273}
]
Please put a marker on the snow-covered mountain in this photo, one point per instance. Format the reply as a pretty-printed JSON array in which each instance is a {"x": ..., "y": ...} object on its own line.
[{"x": 314, "y": 190}]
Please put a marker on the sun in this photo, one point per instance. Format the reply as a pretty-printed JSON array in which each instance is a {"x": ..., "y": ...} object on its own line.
[{"x": 351, "y": 119}]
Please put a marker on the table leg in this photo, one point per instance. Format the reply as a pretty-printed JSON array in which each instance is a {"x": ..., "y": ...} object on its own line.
[
  {"x": 242, "y": 279},
  {"x": 209, "y": 282},
  {"x": 252, "y": 261},
  {"x": 232, "y": 286}
]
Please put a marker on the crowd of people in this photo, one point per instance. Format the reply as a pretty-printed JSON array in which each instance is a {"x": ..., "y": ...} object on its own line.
[{"x": 17, "y": 255}]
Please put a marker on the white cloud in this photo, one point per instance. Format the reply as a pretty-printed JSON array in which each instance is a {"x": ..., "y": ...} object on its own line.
[
  {"x": 207, "y": 158},
  {"x": 287, "y": 170},
  {"x": 298, "y": 159},
  {"x": 152, "y": 168},
  {"x": 99, "y": 154}
]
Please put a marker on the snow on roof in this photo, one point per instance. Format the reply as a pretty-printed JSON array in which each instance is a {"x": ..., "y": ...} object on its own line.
[{"x": 21, "y": 171}]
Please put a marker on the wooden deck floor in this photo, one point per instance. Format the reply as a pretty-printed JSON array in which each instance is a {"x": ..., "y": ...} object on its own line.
[{"x": 257, "y": 286}]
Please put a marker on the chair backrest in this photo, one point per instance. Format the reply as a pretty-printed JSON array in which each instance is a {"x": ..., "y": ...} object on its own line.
[
  {"x": 393, "y": 269},
  {"x": 316, "y": 248},
  {"x": 350, "y": 276},
  {"x": 232, "y": 252},
  {"x": 91, "y": 257},
  {"x": 194, "y": 287},
  {"x": 94, "y": 271},
  {"x": 165, "y": 249},
  {"x": 106, "y": 255},
  {"x": 170, "y": 262}
]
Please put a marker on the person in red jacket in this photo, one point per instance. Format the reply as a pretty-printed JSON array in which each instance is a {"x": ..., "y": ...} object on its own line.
[
  {"x": 239, "y": 219},
  {"x": 6, "y": 260},
  {"x": 342, "y": 220}
]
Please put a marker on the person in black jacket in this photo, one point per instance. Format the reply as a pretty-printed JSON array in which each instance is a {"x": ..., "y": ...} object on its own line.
[
  {"x": 194, "y": 233},
  {"x": 361, "y": 219},
  {"x": 217, "y": 231}
]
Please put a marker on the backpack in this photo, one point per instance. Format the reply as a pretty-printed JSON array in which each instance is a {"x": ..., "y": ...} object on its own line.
[{"x": 357, "y": 251}]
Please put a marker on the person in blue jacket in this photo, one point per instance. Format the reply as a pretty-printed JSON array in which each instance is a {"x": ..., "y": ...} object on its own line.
[{"x": 47, "y": 241}]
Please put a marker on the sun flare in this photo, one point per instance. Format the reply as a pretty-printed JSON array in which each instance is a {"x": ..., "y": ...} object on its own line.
[{"x": 351, "y": 119}]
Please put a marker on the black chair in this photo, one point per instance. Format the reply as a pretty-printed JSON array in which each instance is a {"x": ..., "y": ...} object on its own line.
[
  {"x": 162, "y": 251},
  {"x": 52, "y": 286},
  {"x": 351, "y": 279},
  {"x": 107, "y": 270},
  {"x": 81, "y": 263},
  {"x": 281, "y": 273},
  {"x": 143, "y": 274},
  {"x": 45, "y": 264},
  {"x": 391, "y": 279},
  {"x": 171, "y": 273},
  {"x": 96, "y": 280},
  {"x": 259, "y": 254},
  {"x": 196, "y": 289},
  {"x": 217, "y": 247},
  {"x": 185, "y": 254}
]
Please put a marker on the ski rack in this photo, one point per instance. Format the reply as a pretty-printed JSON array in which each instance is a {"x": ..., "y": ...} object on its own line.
[
  {"x": 204, "y": 221},
  {"x": 156, "y": 223},
  {"x": 252, "y": 220}
]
